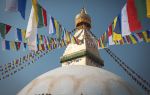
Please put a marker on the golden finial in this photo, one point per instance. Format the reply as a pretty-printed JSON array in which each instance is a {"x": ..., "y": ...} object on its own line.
[{"x": 83, "y": 20}]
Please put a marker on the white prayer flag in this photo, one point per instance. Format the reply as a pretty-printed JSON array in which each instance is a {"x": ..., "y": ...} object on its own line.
[
  {"x": 124, "y": 22},
  {"x": 31, "y": 33}
]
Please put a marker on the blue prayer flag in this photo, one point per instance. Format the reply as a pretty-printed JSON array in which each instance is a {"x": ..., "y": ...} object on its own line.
[
  {"x": 148, "y": 34},
  {"x": 117, "y": 28},
  {"x": 22, "y": 7},
  {"x": 7, "y": 45},
  {"x": 19, "y": 34}
]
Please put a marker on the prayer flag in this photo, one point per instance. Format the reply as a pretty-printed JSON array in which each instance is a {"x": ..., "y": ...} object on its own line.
[
  {"x": 134, "y": 23},
  {"x": 133, "y": 35},
  {"x": 68, "y": 39},
  {"x": 121, "y": 42},
  {"x": 141, "y": 8},
  {"x": 124, "y": 22},
  {"x": 43, "y": 47},
  {"x": 57, "y": 28},
  {"x": 42, "y": 16},
  {"x": 4, "y": 29},
  {"x": 12, "y": 45},
  {"x": 133, "y": 40},
  {"x": 117, "y": 27},
  {"x": 138, "y": 36},
  {"x": 148, "y": 8},
  {"x": 116, "y": 37},
  {"x": 17, "y": 45},
  {"x": 52, "y": 29},
  {"x": 7, "y": 45},
  {"x": 101, "y": 43},
  {"x": 31, "y": 33},
  {"x": 125, "y": 40},
  {"x": 19, "y": 34},
  {"x": 73, "y": 40},
  {"x": 25, "y": 45},
  {"x": 22, "y": 7},
  {"x": 98, "y": 43},
  {"x": 105, "y": 41},
  {"x": 110, "y": 37},
  {"x": 146, "y": 36},
  {"x": 128, "y": 39}
]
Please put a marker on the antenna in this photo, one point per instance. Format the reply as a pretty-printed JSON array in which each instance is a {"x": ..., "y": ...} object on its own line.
[{"x": 84, "y": 2}]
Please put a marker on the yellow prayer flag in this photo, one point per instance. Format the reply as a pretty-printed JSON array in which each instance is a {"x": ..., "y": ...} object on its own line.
[
  {"x": 12, "y": 45},
  {"x": 23, "y": 34},
  {"x": 116, "y": 42},
  {"x": 68, "y": 39},
  {"x": 40, "y": 47},
  {"x": 48, "y": 46},
  {"x": 114, "y": 23},
  {"x": 133, "y": 39},
  {"x": 57, "y": 27},
  {"x": 73, "y": 40},
  {"x": 34, "y": 4},
  {"x": 148, "y": 8},
  {"x": 116, "y": 37},
  {"x": 101, "y": 43},
  {"x": 145, "y": 36}
]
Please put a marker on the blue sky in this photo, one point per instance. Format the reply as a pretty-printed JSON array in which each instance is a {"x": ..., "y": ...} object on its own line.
[{"x": 102, "y": 13}]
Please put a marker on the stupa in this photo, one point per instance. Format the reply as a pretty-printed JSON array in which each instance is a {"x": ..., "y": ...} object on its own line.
[{"x": 81, "y": 72}]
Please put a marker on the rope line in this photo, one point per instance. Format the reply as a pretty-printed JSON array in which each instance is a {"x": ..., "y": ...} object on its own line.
[{"x": 144, "y": 84}]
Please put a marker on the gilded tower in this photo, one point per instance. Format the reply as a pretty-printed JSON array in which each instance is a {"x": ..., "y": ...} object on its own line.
[{"x": 86, "y": 52}]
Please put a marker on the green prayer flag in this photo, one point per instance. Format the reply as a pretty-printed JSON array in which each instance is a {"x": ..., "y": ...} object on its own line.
[{"x": 141, "y": 8}]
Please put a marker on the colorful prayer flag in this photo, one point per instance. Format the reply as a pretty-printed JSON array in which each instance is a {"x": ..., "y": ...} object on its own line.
[
  {"x": 25, "y": 46},
  {"x": 18, "y": 44},
  {"x": 7, "y": 45},
  {"x": 116, "y": 37},
  {"x": 12, "y": 45},
  {"x": 117, "y": 27},
  {"x": 22, "y": 7},
  {"x": 124, "y": 22},
  {"x": 68, "y": 38},
  {"x": 146, "y": 36},
  {"x": 138, "y": 37},
  {"x": 133, "y": 40},
  {"x": 105, "y": 41},
  {"x": 141, "y": 8},
  {"x": 110, "y": 36},
  {"x": 134, "y": 23},
  {"x": 52, "y": 29},
  {"x": 98, "y": 43},
  {"x": 19, "y": 34},
  {"x": 101, "y": 44},
  {"x": 57, "y": 28},
  {"x": 42, "y": 16},
  {"x": 4, "y": 29},
  {"x": 148, "y": 8},
  {"x": 73, "y": 40},
  {"x": 31, "y": 34}
]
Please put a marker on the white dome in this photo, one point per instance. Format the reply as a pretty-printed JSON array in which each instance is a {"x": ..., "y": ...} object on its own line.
[{"x": 74, "y": 80}]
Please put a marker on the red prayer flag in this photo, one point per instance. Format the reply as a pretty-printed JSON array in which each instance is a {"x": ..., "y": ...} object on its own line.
[
  {"x": 134, "y": 23},
  {"x": 19, "y": 43},
  {"x": 45, "y": 16},
  {"x": 43, "y": 48},
  {"x": 110, "y": 31},
  {"x": 7, "y": 28}
]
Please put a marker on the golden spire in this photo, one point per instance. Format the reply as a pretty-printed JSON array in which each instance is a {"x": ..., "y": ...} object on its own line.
[{"x": 83, "y": 20}]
